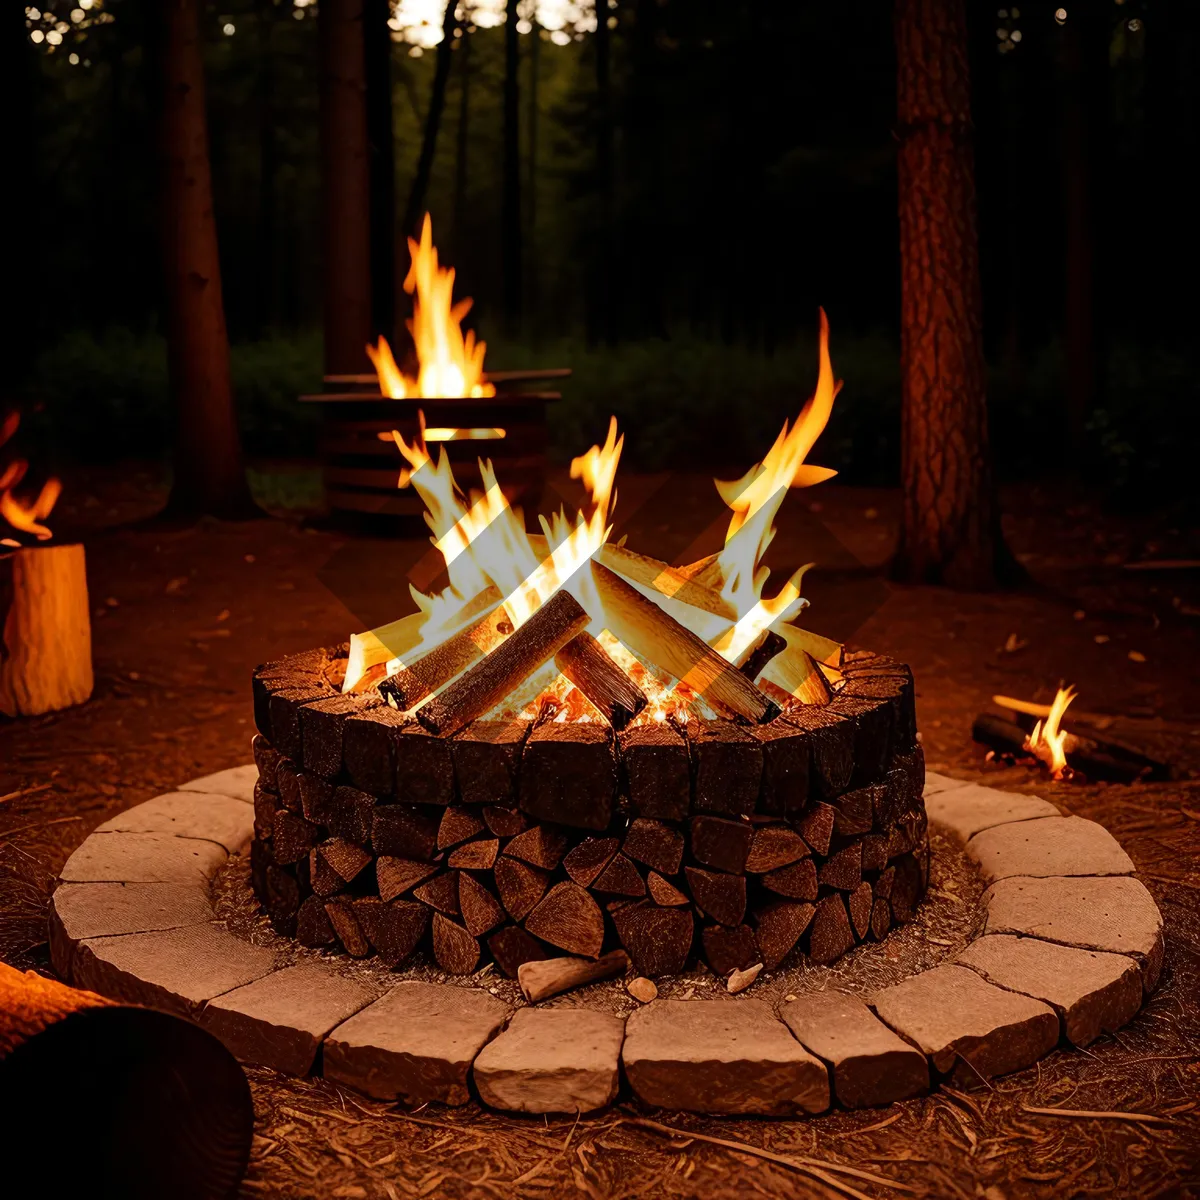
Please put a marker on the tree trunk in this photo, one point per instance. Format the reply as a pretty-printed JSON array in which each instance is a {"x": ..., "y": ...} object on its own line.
[
  {"x": 510, "y": 219},
  {"x": 209, "y": 475},
  {"x": 382, "y": 166},
  {"x": 345, "y": 167},
  {"x": 415, "y": 209},
  {"x": 268, "y": 169},
  {"x": 531, "y": 161},
  {"x": 605, "y": 313},
  {"x": 461, "y": 142},
  {"x": 950, "y": 529}
]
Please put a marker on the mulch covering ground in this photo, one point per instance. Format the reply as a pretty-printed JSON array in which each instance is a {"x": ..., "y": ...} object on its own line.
[{"x": 183, "y": 614}]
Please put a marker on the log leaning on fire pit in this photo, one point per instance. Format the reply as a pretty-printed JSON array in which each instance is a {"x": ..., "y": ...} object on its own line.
[
  {"x": 45, "y": 630},
  {"x": 144, "y": 1104}
]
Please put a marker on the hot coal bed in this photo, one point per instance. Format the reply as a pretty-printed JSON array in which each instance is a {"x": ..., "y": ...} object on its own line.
[{"x": 518, "y": 840}]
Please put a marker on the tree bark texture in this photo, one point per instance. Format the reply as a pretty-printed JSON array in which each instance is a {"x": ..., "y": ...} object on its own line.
[
  {"x": 512, "y": 250},
  {"x": 209, "y": 475},
  {"x": 382, "y": 166},
  {"x": 950, "y": 531},
  {"x": 345, "y": 170},
  {"x": 605, "y": 302}
]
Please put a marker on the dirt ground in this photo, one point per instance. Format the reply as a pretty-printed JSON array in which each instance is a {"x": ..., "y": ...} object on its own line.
[{"x": 181, "y": 616}]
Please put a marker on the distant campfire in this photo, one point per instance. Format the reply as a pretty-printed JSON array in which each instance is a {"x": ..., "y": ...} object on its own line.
[
  {"x": 22, "y": 517},
  {"x": 574, "y": 747}
]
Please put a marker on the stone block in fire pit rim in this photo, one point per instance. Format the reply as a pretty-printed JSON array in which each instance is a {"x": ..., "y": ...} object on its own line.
[
  {"x": 720, "y": 1056},
  {"x": 280, "y": 1020},
  {"x": 143, "y": 858},
  {"x": 1092, "y": 991},
  {"x": 1048, "y": 846},
  {"x": 416, "y": 1042},
  {"x": 870, "y": 1064},
  {"x": 552, "y": 1060},
  {"x": 951, "y": 1013},
  {"x": 216, "y": 818},
  {"x": 176, "y": 969},
  {"x": 965, "y": 809},
  {"x": 1113, "y": 913},
  {"x": 237, "y": 782}
]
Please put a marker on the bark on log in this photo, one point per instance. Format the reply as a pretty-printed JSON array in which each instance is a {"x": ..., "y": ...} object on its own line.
[
  {"x": 45, "y": 631},
  {"x": 510, "y": 664},
  {"x": 586, "y": 663},
  {"x": 761, "y": 653},
  {"x": 729, "y": 767},
  {"x": 832, "y": 740},
  {"x": 367, "y": 748},
  {"x": 403, "y": 831},
  {"x": 569, "y": 775},
  {"x": 656, "y": 637},
  {"x": 540, "y": 979},
  {"x": 657, "y": 771},
  {"x": 486, "y": 756},
  {"x": 149, "y": 1104}
]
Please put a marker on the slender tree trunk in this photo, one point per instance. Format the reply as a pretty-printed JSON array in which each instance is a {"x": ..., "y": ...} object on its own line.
[
  {"x": 605, "y": 298},
  {"x": 415, "y": 209},
  {"x": 268, "y": 169},
  {"x": 345, "y": 169},
  {"x": 510, "y": 218},
  {"x": 950, "y": 529},
  {"x": 462, "y": 143},
  {"x": 209, "y": 475},
  {"x": 531, "y": 163},
  {"x": 382, "y": 166}
]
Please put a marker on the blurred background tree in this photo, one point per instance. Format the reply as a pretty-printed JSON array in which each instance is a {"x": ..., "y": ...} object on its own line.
[{"x": 694, "y": 179}]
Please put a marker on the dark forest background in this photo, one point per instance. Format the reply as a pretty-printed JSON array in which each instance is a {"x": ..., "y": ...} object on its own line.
[{"x": 752, "y": 179}]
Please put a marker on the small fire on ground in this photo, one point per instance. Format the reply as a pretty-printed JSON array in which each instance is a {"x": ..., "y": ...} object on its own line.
[
  {"x": 568, "y": 625},
  {"x": 1048, "y": 742},
  {"x": 24, "y": 516}
]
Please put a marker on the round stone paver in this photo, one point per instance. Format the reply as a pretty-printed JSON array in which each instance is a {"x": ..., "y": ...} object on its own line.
[{"x": 1068, "y": 942}]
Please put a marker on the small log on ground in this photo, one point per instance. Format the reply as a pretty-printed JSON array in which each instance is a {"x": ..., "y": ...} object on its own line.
[
  {"x": 486, "y": 756},
  {"x": 512, "y": 662},
  {"x": 721, "y": 843},
  {"x": 729, "y": 767},
  {"x": 586, "y": 663},
  {"x": 520, "y": 886},
  {"x": 456, "y": 951},
  {"x": 720, "y": 896},
  {"x": 569, "y": 775},
  {"x": 587, "y": 860},
  {"x": 657, "y": 771},
  {"x": 727, "y": 950},
  {"x": 512, "y": 946},
  {"x": 540, "y": 979},
  {"x": 655, "y": 844},
  {"x": 45, "y": 630},
  {"x": 657, "y": 637},
  {"x": 567, "y": 917},
  {"x": 418, "y": 680},
  {"x": 658, "y": 939},
  {"x": 778, "y": 927}
]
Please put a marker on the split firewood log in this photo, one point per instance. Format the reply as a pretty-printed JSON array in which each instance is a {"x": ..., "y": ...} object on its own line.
[
  {"x": 520, "y": 886},
  {"x": 778, "y": 927},
  {"x": 587, "y": 860},
  {"x": 456, "y": 951},
  {"x": 480, "y": 910},
  {"x": 586, "y": 663},
  {"x": 720, "y": 896},
  {"x": 655, "y": 844},
  {"x": 512, "y": 946},
  {"x": 394, "y": 929},
  {"x": 440, "y": 893},
  {"x": 395, "y": 876},
  {"x": 657, "y": 939},
  {"x": 568, "y": 917},
  {"x": 620, "y": 878},
  {"x": 727, "y": 950}
]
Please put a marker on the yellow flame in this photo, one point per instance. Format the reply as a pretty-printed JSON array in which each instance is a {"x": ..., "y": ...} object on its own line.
[
  {"x": 1047, "y": 740},
  {"x": 24, "y": 515},
  {"x": 450, "y": 363},
  {"x": 756, "y": 497}
]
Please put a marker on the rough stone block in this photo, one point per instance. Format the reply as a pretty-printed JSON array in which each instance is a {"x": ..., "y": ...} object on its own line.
[
  {"x": 552, "y": 1060},
  {"x": 212, "y": 816},
  {"x": 1115, "y": 913},
  {"x": 869, "y": 1063},
  {"x": 720, "y": 1056},
  {"x": 280, "y": 1020},
  {"x": 1048, "y": 846},
  {"x": 951, "y": 1013},
  {"x": 143, "y": 858},
  {"x": 237, "y": 782},
  {"x": 417, "y": 1042},
  {"x": 966, "y": 808}
]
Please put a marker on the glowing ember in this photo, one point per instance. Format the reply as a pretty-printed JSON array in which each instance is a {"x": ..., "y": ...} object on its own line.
[
  {"x": 22, "y": 515},
  {"x": 450, "y": 363},
  {"x": 1048, "y": 741}
]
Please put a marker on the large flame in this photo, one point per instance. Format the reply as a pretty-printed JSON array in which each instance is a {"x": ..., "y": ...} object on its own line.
[
  {"x": 24, "y": 515},
  {"x": 450, "y": 363},
  {"x": 1047, "y": 740}
]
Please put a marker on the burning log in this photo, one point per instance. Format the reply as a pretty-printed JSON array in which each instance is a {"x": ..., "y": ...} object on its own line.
[
  {"x": 540, "y": 979},
  {"x": 588, "y": 666},
  {"x": 89, "y": 1065},
  {"x": 655, "y": 636},
  {"x": 664, "y": 579},
  {"x": 421, "y": 678},
  {"x": 510, "y": 664},
  {"x": 760, "y": 654},
  {"x": 45, "y": 631}
]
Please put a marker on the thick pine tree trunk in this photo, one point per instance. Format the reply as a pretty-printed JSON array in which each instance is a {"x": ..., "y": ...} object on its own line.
[
  {"x": 605, "y": 302},
  {"x": 382, "y": 166},
  {"x": 510, "y": 218},
  {"x": 209, "y": 475},
  {"x": 950, "y": 528},
  {"x": 346, "y": 189}
]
